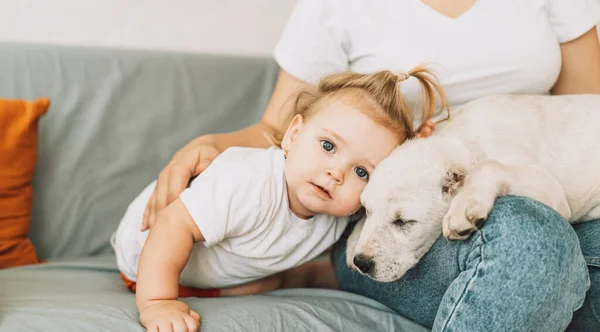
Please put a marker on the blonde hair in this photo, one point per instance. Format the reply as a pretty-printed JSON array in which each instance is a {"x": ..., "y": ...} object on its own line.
[{"x": 378, "y": 95}]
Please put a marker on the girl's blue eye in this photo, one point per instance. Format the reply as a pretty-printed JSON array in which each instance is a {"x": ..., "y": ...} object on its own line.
[
  {"x": 362, "y": 173},
  {"x": 327, "y": 145}
]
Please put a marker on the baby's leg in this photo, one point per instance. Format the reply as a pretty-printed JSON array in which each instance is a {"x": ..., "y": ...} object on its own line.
[
  {"x": 266, "y": 284},
  {"x": 309, "y": 275}
]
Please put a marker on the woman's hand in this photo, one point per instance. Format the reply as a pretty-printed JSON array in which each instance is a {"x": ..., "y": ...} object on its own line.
[
  {"x": 188, "y": 162},
  {"x": 195, "y": 157},
  {"x": 169, "y": 316},
  {"x": 426, "y": 129}
]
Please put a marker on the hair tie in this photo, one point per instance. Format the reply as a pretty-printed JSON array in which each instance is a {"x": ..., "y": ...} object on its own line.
[{"x": 402, "y": 76}]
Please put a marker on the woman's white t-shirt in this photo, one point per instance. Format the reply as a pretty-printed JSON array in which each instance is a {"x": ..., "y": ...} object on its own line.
[
  {"x": 240, "y": 204},
  {"x": 495, "y": 47}
]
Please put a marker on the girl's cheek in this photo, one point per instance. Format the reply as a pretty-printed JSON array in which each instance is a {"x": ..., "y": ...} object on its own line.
[{"x": 356, "y": 190}]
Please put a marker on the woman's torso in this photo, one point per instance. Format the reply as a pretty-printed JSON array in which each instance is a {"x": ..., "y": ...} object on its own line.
[{"x": 494, "y": 47}]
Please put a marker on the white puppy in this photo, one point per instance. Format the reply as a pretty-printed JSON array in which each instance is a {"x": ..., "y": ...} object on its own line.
[{"x": 543, "y": 147}]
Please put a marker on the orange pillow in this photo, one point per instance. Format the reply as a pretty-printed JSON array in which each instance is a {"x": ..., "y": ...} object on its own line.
[{"x": 18, "y": 151}]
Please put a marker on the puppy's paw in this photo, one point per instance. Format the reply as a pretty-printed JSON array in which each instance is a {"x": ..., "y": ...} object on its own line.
[{"x": 468, "y": 211}]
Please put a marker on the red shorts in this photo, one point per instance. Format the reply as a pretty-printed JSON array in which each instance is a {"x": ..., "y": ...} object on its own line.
[{"x": 183, "y": 290}]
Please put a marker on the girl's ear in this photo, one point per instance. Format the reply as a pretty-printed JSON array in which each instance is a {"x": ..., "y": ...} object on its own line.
[{"x": 290, "y": 134}]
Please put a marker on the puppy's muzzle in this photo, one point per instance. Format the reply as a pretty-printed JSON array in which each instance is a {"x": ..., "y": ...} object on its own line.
[{"x": 364, "y": 263}]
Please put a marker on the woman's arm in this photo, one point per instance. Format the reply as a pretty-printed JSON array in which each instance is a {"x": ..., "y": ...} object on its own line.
[
  {"x": 580, "y": 71},
  {"x": 272, "y": 124},
  {"x": 192, "y": 159},
  {"x": 163, "y": 257}
]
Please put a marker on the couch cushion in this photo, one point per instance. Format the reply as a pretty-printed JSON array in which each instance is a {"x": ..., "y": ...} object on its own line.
[
  {"x": 18, "y": 149},
  {"x": 89, "y": 295},
  {"x": 117, "y": 117}
]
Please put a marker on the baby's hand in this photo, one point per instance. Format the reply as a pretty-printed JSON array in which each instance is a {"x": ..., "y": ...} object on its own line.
[{"x": 169, "y": 316}]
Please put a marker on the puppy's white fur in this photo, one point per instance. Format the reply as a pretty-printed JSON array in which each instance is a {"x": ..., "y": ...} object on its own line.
[{"x": 543, "y": 147}]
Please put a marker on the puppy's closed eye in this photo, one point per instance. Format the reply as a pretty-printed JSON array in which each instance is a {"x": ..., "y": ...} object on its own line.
[{"x": 403, "y": 223}]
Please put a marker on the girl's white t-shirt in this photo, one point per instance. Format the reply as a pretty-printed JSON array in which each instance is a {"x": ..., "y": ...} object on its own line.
[
  {"x": 240, "y": 204},
  {"x": 495, "y": 47}
]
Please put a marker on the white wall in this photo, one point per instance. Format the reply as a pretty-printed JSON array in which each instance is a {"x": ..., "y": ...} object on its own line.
[{"x": 216, "y": 26}]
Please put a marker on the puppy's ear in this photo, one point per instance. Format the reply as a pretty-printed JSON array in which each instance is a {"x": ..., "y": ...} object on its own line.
[{"x": 453, "y": 180}]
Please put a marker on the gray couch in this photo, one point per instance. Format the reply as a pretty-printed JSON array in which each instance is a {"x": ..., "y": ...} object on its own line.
[{"x": 116, "y": 118}]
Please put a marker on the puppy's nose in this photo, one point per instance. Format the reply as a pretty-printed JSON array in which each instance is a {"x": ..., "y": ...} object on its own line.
[{"x": 364, "y": 263}]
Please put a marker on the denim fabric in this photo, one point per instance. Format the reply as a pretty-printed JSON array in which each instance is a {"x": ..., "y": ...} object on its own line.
[
  {"x": 523, "y": 271},
  {"x": 588, "y": 317}
]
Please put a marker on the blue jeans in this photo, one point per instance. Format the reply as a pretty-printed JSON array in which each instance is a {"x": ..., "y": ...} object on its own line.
[{"x": 523, "y": 271}]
